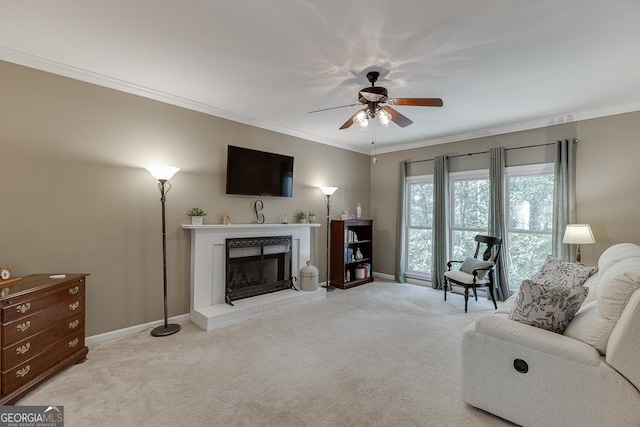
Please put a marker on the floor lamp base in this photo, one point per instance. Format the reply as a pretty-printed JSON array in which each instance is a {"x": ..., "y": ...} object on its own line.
[
  {"x": 329, "y": 288},
  {"x": 162, "y": 331}
]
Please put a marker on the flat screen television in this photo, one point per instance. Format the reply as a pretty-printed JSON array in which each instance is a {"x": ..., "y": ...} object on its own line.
[{"x": 258, "y": 173}]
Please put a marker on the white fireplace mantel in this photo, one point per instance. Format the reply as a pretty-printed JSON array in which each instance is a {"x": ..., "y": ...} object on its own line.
[{"x": 208, "y": 256}]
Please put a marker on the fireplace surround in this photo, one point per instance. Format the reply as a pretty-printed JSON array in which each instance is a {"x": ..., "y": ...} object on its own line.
[{"x": 208, "y": 307}]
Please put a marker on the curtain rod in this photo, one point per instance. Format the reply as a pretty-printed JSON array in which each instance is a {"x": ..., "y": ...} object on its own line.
[{"x": 485, "y": 152}]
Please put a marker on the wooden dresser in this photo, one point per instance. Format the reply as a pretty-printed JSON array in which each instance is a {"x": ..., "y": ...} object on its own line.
[{"x": 42, "y": 331}]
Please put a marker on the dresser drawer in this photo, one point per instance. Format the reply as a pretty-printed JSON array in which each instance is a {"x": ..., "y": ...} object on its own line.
[
  {"x": 27, "y": 326},
  {"x": 30, "y": 369},
  {"x": 31, "y": 346},
  {"x": 25, "y": 305}
]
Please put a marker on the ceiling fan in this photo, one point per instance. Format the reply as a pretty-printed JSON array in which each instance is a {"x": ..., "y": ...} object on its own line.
[{"x": 372, "y": 98}]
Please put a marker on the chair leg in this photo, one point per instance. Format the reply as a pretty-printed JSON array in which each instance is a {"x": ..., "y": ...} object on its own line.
[
  {"x": 466, "y": 298},
  {"x": 492, "y": 297},
  {"x": 444, "y": 285},
  {"x": 475, "y": 294}
]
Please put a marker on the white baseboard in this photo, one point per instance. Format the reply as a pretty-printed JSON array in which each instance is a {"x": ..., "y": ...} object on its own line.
[{"x": 108, "y": 336}]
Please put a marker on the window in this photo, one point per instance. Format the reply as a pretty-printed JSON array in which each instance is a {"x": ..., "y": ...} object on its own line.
[
  {"x": 529, "y": 192},
  {"x": 419, "y": 229},
  {"x": 530, "y": 219},
  {"x": 469, "y": 211}
]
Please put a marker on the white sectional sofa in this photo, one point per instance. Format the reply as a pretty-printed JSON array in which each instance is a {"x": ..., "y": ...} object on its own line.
[{"x": 588, "y": 376}]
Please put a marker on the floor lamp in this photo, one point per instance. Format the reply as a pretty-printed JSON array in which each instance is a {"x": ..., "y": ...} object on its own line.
[
  {"x": 163, "y": 174},
  {"x": 328, "y": 193}
]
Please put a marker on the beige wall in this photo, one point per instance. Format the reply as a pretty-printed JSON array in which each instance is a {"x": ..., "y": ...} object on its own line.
[
  {"x": 607, "y": 178},
  {"x": 76, "y": 196}
]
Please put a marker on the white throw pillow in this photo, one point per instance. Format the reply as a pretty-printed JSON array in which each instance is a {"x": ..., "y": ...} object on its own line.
[
  {"x": 471, "y": 264},
  {"x": 562, "y": 273},
  {"x": 547, "y": 306},
  {"x": 590, "y": 327}
]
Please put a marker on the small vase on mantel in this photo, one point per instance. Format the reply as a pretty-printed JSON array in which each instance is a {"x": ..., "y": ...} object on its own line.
[{"x": 196, "y": 220}]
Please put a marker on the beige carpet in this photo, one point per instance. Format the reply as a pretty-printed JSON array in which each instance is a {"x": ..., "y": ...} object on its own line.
[{"x": 382, "y": 354}]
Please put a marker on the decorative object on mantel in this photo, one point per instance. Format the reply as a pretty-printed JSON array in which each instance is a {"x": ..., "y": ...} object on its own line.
[
  {"x": 284, "y": 219},
  {"x": 301, "y": 216},
  {"x": 226, "y": 219},
  {"x": 163, "y": 174},
  {"x": 196, "y": 215},
  {"x": 328, "y": 193},
  {"x": 257, "y": 207},
  {"x": 312, "y": 216},
  {"x": 578, "y": 234}
]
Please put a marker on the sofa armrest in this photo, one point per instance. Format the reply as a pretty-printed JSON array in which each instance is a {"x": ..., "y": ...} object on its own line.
[{"x": 502, "y": 328}]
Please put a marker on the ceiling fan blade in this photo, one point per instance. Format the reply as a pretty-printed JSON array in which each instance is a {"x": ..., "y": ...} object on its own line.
[
  {"x": 417, "y": 102},
  {"x": 397, "y": 118},
  {"x": 332, "y": 108},
  {"x": 350, "y": 121}
]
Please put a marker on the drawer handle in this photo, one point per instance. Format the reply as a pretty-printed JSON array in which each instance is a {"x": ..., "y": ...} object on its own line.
[
  {"x": 73, "y": 306},
  {"x": 74, "y": 324},
  {"x": 73, "y": 342},
  {"x": 23, "y": 349},
  {"x": 22, "y": 372},
  {"x": 74, "y": 290},
  {"x": 23, "y": 308},
  {"x": 23, "y": 326}
]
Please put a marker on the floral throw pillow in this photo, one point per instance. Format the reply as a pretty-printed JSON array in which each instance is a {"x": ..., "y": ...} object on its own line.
[
  {"x": 546, "y": 306},
  {"x": 562, "y": 273}
]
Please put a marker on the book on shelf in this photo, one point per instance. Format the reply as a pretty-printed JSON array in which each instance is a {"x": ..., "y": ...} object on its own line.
[{"x": 350, "y": 236}]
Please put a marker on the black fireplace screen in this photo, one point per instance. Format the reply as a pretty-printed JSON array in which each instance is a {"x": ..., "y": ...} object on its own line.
[{"x": 257, "y": 266}]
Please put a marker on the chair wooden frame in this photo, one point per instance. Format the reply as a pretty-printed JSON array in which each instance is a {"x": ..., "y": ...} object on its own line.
[{"x": 487, "y": 255}]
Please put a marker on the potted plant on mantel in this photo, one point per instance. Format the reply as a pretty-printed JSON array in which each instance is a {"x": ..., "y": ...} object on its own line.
[
  {"x": 301, "y": 216},
  {"x": 196, "y": 215}
]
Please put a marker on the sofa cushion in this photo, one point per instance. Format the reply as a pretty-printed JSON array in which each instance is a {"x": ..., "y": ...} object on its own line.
[
  {"x": 617, "y": 253},
  {"x": 547, "y": 306},
  {"x": 562, "y": 273},
  {"x": 590, "y": 327},
  {"x": 618, "y": 282},
  {"x": 592, "y": 284},
  {"x": 471, "y": 264}
]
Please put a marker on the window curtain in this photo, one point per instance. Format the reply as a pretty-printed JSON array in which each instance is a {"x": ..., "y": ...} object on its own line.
[
  {"x": 564, "y": 198},
  {"x": 440, "y": 220},
  {"x": 498, "y": 219},
  {"x": 401, "y": 220}
]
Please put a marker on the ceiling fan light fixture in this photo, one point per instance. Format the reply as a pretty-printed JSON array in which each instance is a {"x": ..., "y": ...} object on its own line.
[
  {"x": 385, "y": 118},
  {"x": 361, "y": 119}
]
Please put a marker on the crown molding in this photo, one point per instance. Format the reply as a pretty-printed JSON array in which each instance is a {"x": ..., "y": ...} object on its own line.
[
  {"x": 75, "y": 73},
  {"x": 43, "y": 64}
]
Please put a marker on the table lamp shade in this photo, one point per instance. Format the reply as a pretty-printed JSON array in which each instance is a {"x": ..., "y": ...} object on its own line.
[{"x": 578, "y": 234}]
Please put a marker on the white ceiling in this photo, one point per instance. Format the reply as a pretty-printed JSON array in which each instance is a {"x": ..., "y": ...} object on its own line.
[{"x": 499, "y": 65}]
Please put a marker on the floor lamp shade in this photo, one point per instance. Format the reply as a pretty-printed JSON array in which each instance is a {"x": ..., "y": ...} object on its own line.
[{"x": 163, "y": 174}]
